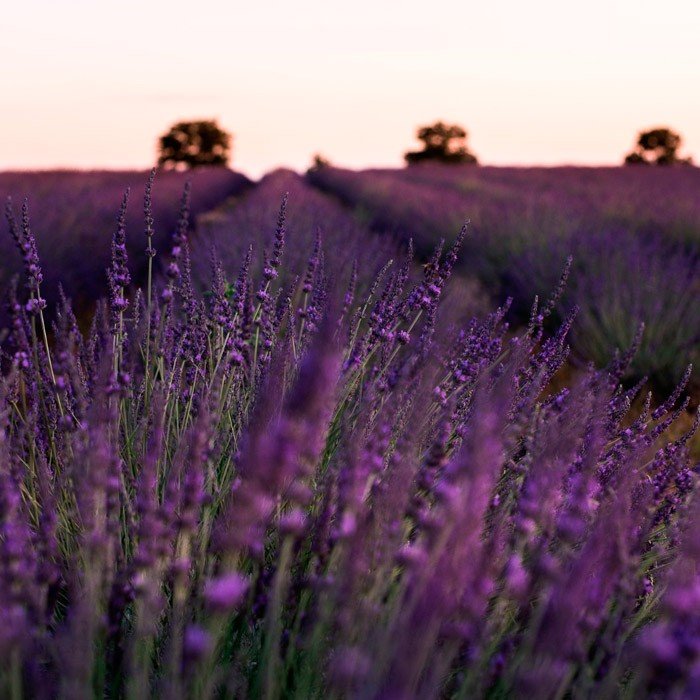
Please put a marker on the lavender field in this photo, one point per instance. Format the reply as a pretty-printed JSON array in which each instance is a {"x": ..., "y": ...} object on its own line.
[
  {"x": 317, "y": 438},
  {"x": 73, "y": 214},
  {"x": 633, "y": 234}
]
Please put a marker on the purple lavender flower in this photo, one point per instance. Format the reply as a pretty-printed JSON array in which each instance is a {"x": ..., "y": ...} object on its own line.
[
  {"x": 118, "y": 273},
  {"x": 26, "y": 243},
  {"x": 226, "y": 593}
]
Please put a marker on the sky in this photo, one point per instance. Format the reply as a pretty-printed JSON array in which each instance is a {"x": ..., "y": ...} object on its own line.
[{"x": 90, "y": 84}]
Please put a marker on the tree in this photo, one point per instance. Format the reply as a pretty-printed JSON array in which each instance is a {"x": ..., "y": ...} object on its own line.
[
  {"x": 319, "y": 162},
  {"x": 444, "y": 143},
  {"x": 191, "y": 144},
  {"x": 657, "y": 147}
]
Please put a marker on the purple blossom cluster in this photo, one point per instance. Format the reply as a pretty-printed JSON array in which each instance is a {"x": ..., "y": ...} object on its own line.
[{"x": 316, "y": 483}]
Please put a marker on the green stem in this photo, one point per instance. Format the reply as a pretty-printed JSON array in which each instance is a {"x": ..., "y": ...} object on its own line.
[{"x": 273, "y": 623}]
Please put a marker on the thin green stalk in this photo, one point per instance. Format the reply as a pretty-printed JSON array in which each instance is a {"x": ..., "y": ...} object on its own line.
[
  {"x": 147, "y": 362},
  {"x": 16, "y": 692},
  {"x": 273, "y": 623}
]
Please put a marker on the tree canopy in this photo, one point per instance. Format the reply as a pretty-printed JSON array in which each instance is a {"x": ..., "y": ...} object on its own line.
[
  {"x": 443, "y": 143},
  {"x": 193, "y": 144},
  {"x": 657, "y": 146}
]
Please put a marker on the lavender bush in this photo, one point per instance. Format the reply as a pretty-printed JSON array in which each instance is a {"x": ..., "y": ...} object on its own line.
[
  {"x": 634, "y": 238},
  {"x": 226, "y": 232},
  {"x": 619, "y": 282},
  {"x": 73, "y": 215},
  {"x": 301, "y": 490},
  {"x": 350, "y": 250}
]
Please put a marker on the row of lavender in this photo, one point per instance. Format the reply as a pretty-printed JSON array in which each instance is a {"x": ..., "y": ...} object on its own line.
[
  {"x": 74, "y": 220},
  {"x": 226, "y": 232},
  {"x": 634, "y": 237},
  {"x": 306, "y": 482}
]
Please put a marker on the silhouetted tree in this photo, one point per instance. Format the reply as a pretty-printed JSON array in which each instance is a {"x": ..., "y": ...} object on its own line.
[
  {"x": 191, "y": 144},
  {"x": 319, "y": 162},
  {"x": 657, "y": 147},
  {"x": 445, "y": 143}
]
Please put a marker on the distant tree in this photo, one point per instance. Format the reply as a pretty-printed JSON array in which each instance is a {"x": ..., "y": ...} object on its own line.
[
  {"x": 444, "y": 143},
  {"x": 191, "y": 144},
  {"x": 657, "y": 147},
  {"x": 319, "y": 162},
  {"x": 635, "y": 158}
]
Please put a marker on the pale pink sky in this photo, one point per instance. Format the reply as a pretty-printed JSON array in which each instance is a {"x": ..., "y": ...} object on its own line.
[{"x": 93, "y": 84}]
